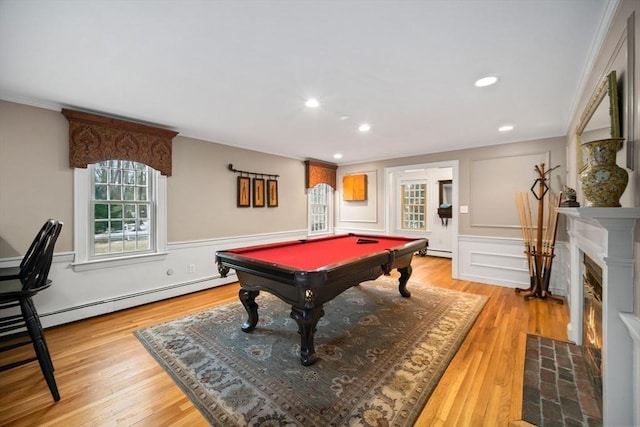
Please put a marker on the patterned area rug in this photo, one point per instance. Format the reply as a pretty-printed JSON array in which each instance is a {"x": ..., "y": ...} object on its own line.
[{"x": 381, "y": 356}]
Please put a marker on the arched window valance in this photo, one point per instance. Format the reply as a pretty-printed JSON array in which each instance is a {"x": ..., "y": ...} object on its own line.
[
  {"x": 94, "y": 138},
  {"x": 320, "y": 172}
]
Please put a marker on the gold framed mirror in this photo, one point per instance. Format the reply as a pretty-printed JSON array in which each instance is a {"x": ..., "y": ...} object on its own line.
[{"x": 601, "y": 118}]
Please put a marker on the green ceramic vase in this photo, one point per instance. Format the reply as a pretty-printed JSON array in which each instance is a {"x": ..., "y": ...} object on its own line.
[{"x": 603, "y": 181}]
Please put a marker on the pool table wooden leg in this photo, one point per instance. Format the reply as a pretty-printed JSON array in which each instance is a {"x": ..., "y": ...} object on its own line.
[
  {"x": 405, "y": 273},
  {"x": 248, "y": 299},
  {"x": 307, "y": 319}
]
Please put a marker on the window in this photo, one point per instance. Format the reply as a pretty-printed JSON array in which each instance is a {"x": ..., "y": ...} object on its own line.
[
  {"x": 320, "y": 209},
  {"x": 122, "y": 207},
  {"x": 119, "y": 205},
  {"x": 120, "y": 211},
  {"x": 414, "y": 205}
]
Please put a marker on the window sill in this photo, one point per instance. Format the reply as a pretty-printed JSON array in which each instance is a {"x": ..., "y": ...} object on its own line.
[{"x": 118, "y": 262}]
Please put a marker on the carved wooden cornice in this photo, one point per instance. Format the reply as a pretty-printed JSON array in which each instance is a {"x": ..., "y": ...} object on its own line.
[
  {"x": 320, "y": 172},
  {"x": 94, "y": 138}
]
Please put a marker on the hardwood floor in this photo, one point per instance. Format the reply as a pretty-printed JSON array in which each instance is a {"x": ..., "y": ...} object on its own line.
[{"x": 106, "y": 377}]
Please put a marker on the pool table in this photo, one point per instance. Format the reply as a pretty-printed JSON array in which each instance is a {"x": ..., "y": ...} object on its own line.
[{"x": 308, "y": 273}]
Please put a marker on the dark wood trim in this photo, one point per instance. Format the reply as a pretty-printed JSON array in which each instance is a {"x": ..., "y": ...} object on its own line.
[
  {"x": 94, "y": 138},
  {"x": 94, "y": 119},
  {"x": 320, "y": 173}
]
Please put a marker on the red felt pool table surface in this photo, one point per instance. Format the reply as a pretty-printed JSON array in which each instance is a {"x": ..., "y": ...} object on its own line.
[{"x": 314, "y": 254}]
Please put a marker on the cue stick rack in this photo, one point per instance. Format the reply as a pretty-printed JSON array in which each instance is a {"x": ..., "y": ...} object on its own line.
[
  {"x": 539, "y": 245},
  {"x": 250, "y": 174}
]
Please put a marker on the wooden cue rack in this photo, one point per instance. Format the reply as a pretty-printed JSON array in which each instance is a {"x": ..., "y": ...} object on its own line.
[{"x": 539, "y": 246}]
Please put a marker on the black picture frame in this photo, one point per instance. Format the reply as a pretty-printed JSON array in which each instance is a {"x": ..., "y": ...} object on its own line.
[
  {"x": 272, "y": 193},
  {"x": 244, "y": 192},
  {"x": 258, "y": 192}
]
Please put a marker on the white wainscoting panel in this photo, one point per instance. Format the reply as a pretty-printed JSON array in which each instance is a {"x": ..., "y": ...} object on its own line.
[
  {"x": 499, "y": 261},
  {"x": 188, "y": 267},
  {"x": 359, "y": 230},
  {"x": 77, "y": 295}
]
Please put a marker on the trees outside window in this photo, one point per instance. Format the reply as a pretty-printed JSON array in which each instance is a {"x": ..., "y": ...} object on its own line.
[{"x": 122, "y": 208}]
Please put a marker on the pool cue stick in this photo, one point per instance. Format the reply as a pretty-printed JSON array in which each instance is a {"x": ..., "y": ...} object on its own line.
[
  {"x": 526, "y": 241},
  {"x": 551, "y": 249},
  {"x": 535, "y": 250},
  {"x": 529, "y": 237},
  {"x": 546, "y": 236}
]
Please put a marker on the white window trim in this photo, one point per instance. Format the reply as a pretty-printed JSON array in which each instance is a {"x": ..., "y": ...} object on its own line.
[
  {"x": 82, "y": 215},
  {"x": 330, "y": 204}
]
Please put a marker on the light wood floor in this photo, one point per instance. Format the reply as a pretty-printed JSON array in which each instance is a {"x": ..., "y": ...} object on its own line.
[{"x": 106, "y": 377}]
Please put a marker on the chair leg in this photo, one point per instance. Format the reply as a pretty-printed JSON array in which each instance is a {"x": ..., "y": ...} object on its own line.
[
  {"x": 47, "y": 368},
  {"x": 36, "y": 316},
  {"x": 39, "y": 346}
]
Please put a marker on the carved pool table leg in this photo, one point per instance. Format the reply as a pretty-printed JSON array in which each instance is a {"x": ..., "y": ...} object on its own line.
[
  {"x": 307, "y": 319},
  {"x": 405, "y": 273},
  {"x": 248, "y": 299}
]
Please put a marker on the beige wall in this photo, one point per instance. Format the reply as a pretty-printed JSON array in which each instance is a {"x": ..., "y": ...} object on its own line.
[
  {"x": 202, "y": 192},
  {"x": 485, "y": 195},
  {"x": 36, "y": 183}
]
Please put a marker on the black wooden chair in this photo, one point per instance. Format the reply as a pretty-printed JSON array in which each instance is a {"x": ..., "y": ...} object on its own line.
[
  {"x": 17, "y": 330},
  {"x": 8, "y": 273}
]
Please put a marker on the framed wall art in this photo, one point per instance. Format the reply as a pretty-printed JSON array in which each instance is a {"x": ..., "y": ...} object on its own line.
[
  {"x": 272, "y": 193},
  {"x": 244, "y": 192},
  {"x": 258, "y": 192}
]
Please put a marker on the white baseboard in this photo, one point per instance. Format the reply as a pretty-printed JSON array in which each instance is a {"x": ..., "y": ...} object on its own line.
[
  {"x": 439, "y": 253},
  {"x": 96, "y": 308}
]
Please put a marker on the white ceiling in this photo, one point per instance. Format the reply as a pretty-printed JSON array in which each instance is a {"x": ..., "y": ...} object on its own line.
[{"x": 238, "y": 72}]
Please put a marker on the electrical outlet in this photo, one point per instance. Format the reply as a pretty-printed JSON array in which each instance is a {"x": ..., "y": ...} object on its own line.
[
  {"x": 464, "y": 209},
  {"x": 192, "y": 268}
]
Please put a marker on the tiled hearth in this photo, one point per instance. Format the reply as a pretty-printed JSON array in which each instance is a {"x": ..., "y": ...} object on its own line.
[{"x": 606, "y": 235}]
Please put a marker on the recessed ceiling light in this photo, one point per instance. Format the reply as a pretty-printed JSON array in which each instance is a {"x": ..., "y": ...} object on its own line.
[
  {"x": 343, "y": 118},
  {"x": 505, "y": 128},
  {"x": 312, "y": 103},
  {"x": 486, "y": 81},
  {"x": 337, "y": 156},
  {"x": 364, "y": 127}
]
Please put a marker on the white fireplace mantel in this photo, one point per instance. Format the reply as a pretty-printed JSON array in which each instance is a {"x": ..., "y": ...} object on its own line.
[{"x": 607, "y": 236}]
